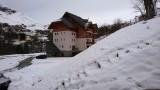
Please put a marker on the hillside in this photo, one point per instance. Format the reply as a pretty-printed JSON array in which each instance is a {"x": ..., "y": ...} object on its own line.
[
  {"x": 14, "y": 17},
  {"x": 126, "y": 60}
]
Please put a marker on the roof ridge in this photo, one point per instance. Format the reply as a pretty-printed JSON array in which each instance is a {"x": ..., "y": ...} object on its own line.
[{"x": 75, "y": 18}]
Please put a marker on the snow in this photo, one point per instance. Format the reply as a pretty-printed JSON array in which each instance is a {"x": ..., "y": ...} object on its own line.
[
  {"x": 126, "y": 60},
  {"x": 7, "y": 62},
  {"x": 10, "y": 61},
  {"x": 100, "y": 38},
  {"x": 123, "y": 38},
  {"x": 17, "y": 42},
  {"x": 3, "y": 80},
  {"x": 43, "y": 38}
]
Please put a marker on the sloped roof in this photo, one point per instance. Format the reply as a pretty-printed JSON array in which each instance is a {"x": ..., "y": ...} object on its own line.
[
  {"x": 67, "y": 23},
  {"x": 71, "y": 21}
]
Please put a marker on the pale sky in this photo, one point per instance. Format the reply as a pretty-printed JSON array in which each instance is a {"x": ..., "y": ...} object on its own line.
[{"x": 98, "y": 11}]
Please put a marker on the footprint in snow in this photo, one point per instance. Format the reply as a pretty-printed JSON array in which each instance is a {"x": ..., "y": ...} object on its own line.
[
  {"x": 117, "y": 55},
  {"x": 138, "y": 47},
  {"x": 61, "y": 86},
  {"x": 144, "y": 22},
  {"x": 82, "y": 74},
  {"x": 39, "y": 80},
  {"x": 95, "y": 64},
  {"x": 147, "y": 43},
  {"x": 98, "y": 64},
  {"x": 148, "y": 27},
  {"x": 109, "y": 61},
  {"x": 102, "y": 48},
  {"x": 120, "y": 48},
  {"x": 138, "y": 84},
  {"x": 127, "y": 51},
  {"x": 130, "y": 79}
]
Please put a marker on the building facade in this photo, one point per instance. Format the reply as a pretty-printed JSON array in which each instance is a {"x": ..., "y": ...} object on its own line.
[{"x": 72, "y": 34}]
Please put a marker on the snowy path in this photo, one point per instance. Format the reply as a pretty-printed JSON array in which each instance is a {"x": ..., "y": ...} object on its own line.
[{"x": 10, "y": 63}]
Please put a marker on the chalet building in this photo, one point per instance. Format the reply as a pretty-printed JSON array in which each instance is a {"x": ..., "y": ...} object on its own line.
[{"x": 72, "y": 34}]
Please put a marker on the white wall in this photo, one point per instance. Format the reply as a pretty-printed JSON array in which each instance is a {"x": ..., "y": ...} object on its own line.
[
  {"x": 64, "y": 40},
  {"x": 81, "y": 43}
]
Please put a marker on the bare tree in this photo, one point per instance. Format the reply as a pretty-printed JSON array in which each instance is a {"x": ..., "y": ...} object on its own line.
[
  {"x": 147, "y": 8},
  {"x": 139, "y": 7}
]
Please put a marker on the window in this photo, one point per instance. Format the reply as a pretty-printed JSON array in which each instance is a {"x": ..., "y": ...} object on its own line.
[
  {"x": 62, "y": 46},
  {"x": 73, "y": 40},
  {"x": 57, "y": 33},
  {"x": 72, "y": 33},
  {"x": 88, "y": 40}
]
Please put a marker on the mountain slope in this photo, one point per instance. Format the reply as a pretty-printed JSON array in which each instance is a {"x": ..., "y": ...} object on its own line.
[
  {"x": 124, "y": 37},
  {"x": 13, "y": 17},
  {"x": 128, "y": 59}
]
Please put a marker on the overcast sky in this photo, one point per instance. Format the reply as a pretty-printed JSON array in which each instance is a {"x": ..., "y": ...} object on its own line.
[{"x": 98, "y": 11}]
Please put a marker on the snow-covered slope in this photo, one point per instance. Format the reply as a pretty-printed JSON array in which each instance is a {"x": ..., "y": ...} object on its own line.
[
  {"x": 17, "y": 18},
  {"x": 129, "y": 59},
  {"x": 123, "y": 38}
]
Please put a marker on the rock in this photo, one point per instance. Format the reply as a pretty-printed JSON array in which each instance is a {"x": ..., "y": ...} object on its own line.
[{"x": 4, "y": 82}]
